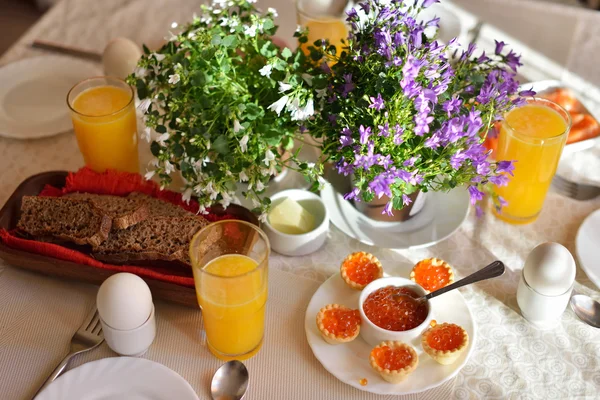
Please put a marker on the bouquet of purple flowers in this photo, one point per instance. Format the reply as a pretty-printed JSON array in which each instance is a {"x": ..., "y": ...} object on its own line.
[{"x": 401, "y": 112}]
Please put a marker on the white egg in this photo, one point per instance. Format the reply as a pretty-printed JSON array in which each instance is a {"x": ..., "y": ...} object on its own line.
[
  {"x": 124, "y": 301},
  {"x": 120, "y": 57},
  {"x": 549, "y": 269}
]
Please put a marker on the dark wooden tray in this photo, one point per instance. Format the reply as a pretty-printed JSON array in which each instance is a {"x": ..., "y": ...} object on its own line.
[{"x": 9, "y": 216}]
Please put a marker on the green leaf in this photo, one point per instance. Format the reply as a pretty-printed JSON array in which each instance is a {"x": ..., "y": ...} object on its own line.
[
  {"x": 146, "y": 49},
  {"x": 288, "y": 143},
  {"x": 161, "y": 129},
  {"x": 142, "y": 89},
  {"x": 286, "y": 53},
  {"x": 397, "y": 203},
  {"x": 271, "y": 136},
  {"x": 303, "y": 39},
  {"x": 186, "y": 167},
  {"x": 320, "y": 82},
  {"x": 252, "y": 112},
  {"x": 177, "y": 150},
  {"x": 198, "y": 78},
  {"x": 216, "y": 40},
  {"x": 221, "y": 145},
  {"x": 229, "y": 41},
  {"x": 268, "y": 24},
  {"x": 155, "y": 149}
]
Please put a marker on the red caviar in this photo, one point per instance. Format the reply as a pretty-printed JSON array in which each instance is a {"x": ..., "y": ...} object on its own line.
[
  {"x": 445, "y": 337},
  {"x": 363, "y": 382},
  {"x": 432, "y": 274},
  {"x": 362, "y": 269},
  {"x": 395, "y": 313},
  {"x": 392, "y": 358},
  {"x": 341, "y": 322}
]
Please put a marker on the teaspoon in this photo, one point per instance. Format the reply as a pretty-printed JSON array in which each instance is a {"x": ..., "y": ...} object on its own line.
[
  {"x": 587, "y": 309},
  {"x": 230, "y": 382}
]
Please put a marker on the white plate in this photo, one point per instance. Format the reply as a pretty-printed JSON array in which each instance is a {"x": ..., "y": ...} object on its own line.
[
  {"x": 350, "y": 362},
  {"x": 586, "y": 246},
  {"x": 119, "y": 378},
  {"x": 33, "y": 95},
  {"x": 442, "y": 215}
]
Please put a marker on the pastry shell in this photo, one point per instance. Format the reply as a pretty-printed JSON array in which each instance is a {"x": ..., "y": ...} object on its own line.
[
  {"x": 371, "y": 258},
  {"x": 437, "y": 263},
  {"x": 397, "y": 375},
  {"x": 330, "y": 337},
  {"x": 444, "y": 357}
]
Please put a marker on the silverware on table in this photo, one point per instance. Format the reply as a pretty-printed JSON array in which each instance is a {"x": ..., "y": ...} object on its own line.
[
  {"x": 88, "y": 337},
  {"x": 574, "y": 190},
  {"x": 587, "y": 309},
  {"x": 67, "y": 50},
  {"x": 230, "y": 381}
]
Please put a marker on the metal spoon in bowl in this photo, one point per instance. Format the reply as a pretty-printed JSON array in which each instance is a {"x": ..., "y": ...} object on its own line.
[
  {"x": 230, "y": 382},
  {"x": 587, "y": 309},
  {"x": 491, "y": 271}
]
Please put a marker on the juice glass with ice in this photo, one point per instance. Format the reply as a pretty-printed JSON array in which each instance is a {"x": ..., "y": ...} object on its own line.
[
  {"x": 324, "y": 20},
  {"x": 105, "y": 124},
  {"x": 230, "y": 265},
  {"x": 534, "y": 135}
]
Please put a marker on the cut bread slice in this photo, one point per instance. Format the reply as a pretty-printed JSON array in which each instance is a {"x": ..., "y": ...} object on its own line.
[
  {"x": 77, "y": 221},
  {"x": 160, "y": 208},
  {"x": 125, "y": 212},
  {"x": 161, "y": 238}
]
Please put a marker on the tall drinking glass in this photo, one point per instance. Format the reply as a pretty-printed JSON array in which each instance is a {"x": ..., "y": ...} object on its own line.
[
  {"x": 324, "y": 20},
  {"x": 104, "y": 120},
  {"x": 534, "y": 135},
  {"x": 230, "y": 264}
]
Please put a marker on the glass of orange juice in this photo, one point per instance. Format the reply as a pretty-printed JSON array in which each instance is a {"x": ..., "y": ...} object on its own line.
[
  {"x": 534, "y": 135},
  {"x": 105, "y": 124},
  {"x": 324, "y": 20},
  {"x": 230, "y": 264}
]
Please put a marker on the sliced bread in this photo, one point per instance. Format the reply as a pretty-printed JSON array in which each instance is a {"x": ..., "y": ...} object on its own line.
[
  {"x": 125, "y": 212},
  {"x": 160, "y": 208},
  {"x": 161, "y": 238},
  {"x": 77, "y": 221}
]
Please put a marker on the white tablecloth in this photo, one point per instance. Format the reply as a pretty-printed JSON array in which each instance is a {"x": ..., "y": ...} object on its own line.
[{"x": 512, "y": 359}]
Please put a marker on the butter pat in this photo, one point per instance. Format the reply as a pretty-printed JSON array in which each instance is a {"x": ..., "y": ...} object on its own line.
[{"x": 291, "y": 218}]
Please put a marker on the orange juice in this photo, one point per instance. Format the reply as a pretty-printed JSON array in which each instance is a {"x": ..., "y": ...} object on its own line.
[
  {"x": 104, "y": 121},
  {"x": 326, "y": 28},
  {"x": 232, "y": 293},
  {"x": 534, "y": 135}
]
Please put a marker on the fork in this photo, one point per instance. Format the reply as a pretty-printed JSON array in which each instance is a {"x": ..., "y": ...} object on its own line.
[
  {"x": 574, "y": 190},
  {"x": 88, "y": 337}
]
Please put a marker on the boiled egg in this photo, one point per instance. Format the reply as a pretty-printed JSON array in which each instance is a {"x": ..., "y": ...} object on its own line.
[{"x": 124, "y": 301}]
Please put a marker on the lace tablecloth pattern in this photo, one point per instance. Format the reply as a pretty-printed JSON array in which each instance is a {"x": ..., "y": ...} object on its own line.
[{"x": 512, "y": 358}]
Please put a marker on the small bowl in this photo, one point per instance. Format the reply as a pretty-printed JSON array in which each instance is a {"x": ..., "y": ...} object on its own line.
[
  {"x": 306, "y": 243},
  {"x": 373, "y": 334},
  {"x": 133, "y": 342}
]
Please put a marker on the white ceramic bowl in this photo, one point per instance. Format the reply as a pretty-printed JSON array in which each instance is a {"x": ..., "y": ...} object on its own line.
[
  {"x": 132, "y": 342},
  {"x": 373, "y": 334},
  {"x": 306, "y": 243}
]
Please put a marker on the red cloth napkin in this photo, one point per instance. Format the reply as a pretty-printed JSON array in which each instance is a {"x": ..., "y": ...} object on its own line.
[{"x": 118, "y": 184}]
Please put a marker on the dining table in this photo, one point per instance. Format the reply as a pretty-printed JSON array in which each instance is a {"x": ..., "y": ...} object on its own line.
[{"x": 512, "y": 359}]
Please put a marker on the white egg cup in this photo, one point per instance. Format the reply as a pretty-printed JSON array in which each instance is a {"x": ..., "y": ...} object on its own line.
[
  {"x": 133, "y": 342},
  {"x": 542, "y": 311},
  {"x": 306, "y": 243},
  {"x": 372, "y": 334}
]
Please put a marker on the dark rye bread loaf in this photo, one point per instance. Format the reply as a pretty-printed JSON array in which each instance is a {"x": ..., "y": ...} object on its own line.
[
  {"x": 68, "y": 220},
  {"x": 124, "y": 212},
  {"x": 159, "y": 208},
  {"x": 162, "y": 238}
]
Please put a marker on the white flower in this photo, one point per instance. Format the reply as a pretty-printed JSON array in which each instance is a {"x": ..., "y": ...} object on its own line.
[
  {"x": 273, "y": 169},
  {"x": 260, "y": 186},
  {"x": 243, "y": 177},
  {"x": 269, "y": 156},
  {"x": 232, "y": 24},
  {"x": 279, "y": 105},
  {"x": 159, "y": 57},
  {"x": 266, "y": 70},
  {"x": 250, "y": 30},
  {"x": 255, "y": 203},
  {"x": 149, "y": 175},
  {"x": 226, "y": 199},
  {"x": 219, "y": 3},
  {"x": 244, "y": 143},
  {"x": 173, "y": 79},
  {"x": 202, "y": 209},
  {"x": 298, "y": 28},
  {"x": 206, "y": 19},
  {"x": 187, "y": 195},
  {"x": 169, "y": 168},
  {"x": 308, "y": 78},
  {"x": 211, "y": 191},
  {"x": 321, "y": 93},
  {"x": 272, "y": 11},
  {"x": 251, "y": 1},
  {"x": 144, "y": 105},
  {"x": 174, "y": 25},
  {"x": 192, "y": 35},
  {"x": 237, "y": 126},
  {"x": 147, "y": 134},
  {"x": 284, "y": 87},
  {"x": 163, "y": 138},
  {"x": 263, "y": 218},
  {"x": 140, "y": 71},
  {"x": 309, "y": 108},
  {"x": 225, "y": 21},
  {"x": 310, "y": 165},
  {"x": 322, "y": 182}
]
